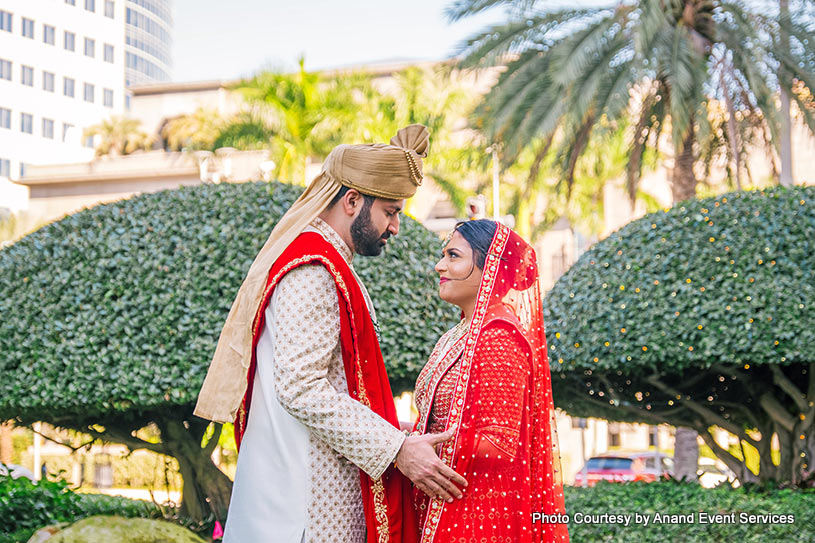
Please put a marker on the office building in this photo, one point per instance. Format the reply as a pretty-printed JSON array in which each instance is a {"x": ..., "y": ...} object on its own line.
[
  {"x": 148, "y": 41},
  {"x": 65, "y": 66},
  {"x": 61, "y": 70}
]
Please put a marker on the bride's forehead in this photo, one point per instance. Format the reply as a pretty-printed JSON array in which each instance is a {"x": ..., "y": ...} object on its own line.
[{"x": 456, "y": 241}]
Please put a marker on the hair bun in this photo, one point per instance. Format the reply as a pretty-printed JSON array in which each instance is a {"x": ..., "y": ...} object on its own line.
[{"x": 414, "y": 137}]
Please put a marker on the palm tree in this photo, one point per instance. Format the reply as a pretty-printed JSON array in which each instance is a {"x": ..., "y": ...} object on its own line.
[
  {"x": 437, "y": 98},
  {"x": 192, "y": 132},
  {"x": 307, "y": 112},
  {"x": 458, "y": 161},
  {"x": 246, "y": 131},
  {"x": 658, "y": 62},
  {"x": 119, "y": 136}
]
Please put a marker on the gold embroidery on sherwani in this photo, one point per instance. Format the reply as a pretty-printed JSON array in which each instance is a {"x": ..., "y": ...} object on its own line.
[
  {"x": 310, "y": 384},
  {"x": 378, "y": 489}
]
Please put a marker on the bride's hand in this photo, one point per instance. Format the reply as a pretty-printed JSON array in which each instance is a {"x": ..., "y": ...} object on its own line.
[{"x": 405, "y": 426}]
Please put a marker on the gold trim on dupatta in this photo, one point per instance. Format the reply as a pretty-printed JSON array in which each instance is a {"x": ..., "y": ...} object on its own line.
[{"x": 497, "y": 247}]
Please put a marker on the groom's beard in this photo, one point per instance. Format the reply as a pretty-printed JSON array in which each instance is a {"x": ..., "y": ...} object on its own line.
[{"x": 367, "y": 241}]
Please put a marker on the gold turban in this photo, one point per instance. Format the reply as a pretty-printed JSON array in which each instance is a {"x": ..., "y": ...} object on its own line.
[{"x": 386, "y": 171}]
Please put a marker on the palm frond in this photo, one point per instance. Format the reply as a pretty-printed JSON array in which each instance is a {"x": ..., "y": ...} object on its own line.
[
  {"x": 494, "y": 44},
  {"x": 465, "y": 8},
  {"x": 639, "y": 141},
  {"x": 453, "y": 189}
]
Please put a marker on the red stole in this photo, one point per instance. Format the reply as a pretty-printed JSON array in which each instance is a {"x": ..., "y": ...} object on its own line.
[{"x": 389, "y": 514}]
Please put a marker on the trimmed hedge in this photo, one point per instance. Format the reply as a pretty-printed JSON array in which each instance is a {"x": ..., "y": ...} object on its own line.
[
  {"x": 699, "y": 316},
  {"x": 672, "y": 497},
  {"x": 119, "y": 307},
  {"x": 728, "y": 279}
]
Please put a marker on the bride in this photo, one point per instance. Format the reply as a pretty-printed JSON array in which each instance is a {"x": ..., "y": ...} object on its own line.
[{"x": 488, "y": 379}]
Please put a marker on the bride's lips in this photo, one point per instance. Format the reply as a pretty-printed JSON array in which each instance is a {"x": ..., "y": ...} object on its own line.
[{"x": 443, "y": 280}]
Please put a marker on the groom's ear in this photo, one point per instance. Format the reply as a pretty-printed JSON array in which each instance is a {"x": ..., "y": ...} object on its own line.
[{"x": 352, "y": 202}]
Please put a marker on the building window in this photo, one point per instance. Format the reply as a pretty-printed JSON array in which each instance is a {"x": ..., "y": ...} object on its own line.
[
  {"x": 66, "y": 129},
  {"x": 90, "y": 47},
  {"x": 48, "y": 128},
  {"x": 109, "y": 8},
  {"x": 70, "y": 41},
  {"x": 26, "y": 123},
  {"x": 27, "y": 76},
  {"x": 144, "y": 66},
  {"x": 5, "y": 20},
  {"x": 89, "y": 92},
  {"x": 28, "y": 28},
  {"x": 88, "y": 142},
  {"x": 5, "y": 69},
  {"x": 48, "y": 81},
  {"x": 48, "y": 34},
  {"x": 108, "y": 98},
  {"x": 579, "y": 422},
  {"x": 90, "y": 5},
  {"x": 23, "y": 167},
  {"x": 5, "y": 118},
  {"x": 5, "y": 167},
  {"x": 127, "y": 101},
  {"x": 108, "y": 52},
  {"x": 71, "y": 2},
  {"x": 613, "y": 434},
  {"x": 68, "y": 87}
]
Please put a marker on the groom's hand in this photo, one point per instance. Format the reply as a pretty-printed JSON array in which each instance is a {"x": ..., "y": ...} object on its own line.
[{"x": 418, "y": 461}]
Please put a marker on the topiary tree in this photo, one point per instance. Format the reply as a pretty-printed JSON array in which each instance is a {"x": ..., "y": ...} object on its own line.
[
  {"x": 699, "y": 316},
  {"x": 111, "y": 316}
]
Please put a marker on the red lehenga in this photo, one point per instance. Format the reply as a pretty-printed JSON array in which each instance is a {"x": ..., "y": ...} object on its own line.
[{"x": 491, "y": 381}]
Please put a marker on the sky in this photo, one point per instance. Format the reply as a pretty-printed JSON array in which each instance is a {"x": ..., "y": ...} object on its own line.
[{"x": 217, "y": 39}]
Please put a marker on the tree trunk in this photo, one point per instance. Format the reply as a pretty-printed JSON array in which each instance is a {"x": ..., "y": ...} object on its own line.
[
  {"x": 683, "y": 182},
  {"x": 686, "y": 454},
  {"x": 526, "y": 202},
  {"x": 786, "y": 178},
  {"x": 732, "y": 132},
  {"x": 206, "y": 489}
]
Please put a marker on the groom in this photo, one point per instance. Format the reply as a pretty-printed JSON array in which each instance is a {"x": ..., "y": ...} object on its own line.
[{"x": 299, "y": 347}]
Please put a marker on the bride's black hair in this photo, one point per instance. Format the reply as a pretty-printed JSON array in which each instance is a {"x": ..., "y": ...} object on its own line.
[{"x": 478, "y": 234}]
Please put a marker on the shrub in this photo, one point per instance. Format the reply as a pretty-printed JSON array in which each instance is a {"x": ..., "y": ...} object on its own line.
[
  {"x": 699, "y": 316},
  {"x": 26, "y": 506},
  {"x": 672, "y": 497}
]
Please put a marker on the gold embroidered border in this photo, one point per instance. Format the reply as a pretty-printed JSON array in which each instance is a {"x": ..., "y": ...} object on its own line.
[
  {"x": 242, "y": 417},
  {"x": 485, "y": 291},
  {"x": 435, "y": 379},
  {"x": 426, "y": 375},
  {"x": 381, "y": 511}
]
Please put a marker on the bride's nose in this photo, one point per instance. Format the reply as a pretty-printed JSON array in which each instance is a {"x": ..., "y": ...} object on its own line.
[{"x": 440, "y": 267}]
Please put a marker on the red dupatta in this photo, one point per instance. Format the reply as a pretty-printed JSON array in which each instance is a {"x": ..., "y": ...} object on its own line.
[
  {"x": 506, "y": 439},
  {"x": 386, "y": 501}
]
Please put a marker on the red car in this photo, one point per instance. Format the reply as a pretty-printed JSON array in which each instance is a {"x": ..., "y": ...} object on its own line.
[{"x": 645, "y": 466}]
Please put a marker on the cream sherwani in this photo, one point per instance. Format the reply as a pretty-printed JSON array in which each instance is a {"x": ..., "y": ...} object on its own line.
[{"x": 297, "y": 477}]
